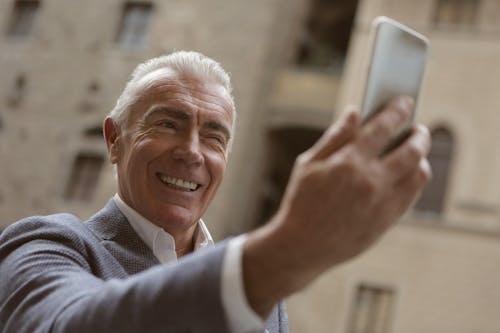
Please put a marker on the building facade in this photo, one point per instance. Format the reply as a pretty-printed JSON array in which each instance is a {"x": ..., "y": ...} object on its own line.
[
  {"x": 295, "y": 65},
  {"x": 436, "y": 271},
  {"x": 64, "y": 65}
]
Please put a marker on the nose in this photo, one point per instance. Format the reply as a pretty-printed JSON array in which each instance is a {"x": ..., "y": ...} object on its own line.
[{"x": 188, "y": 150}]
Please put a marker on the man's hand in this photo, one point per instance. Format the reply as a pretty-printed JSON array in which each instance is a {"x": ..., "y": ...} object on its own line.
[{"x": 341, "y": 197}]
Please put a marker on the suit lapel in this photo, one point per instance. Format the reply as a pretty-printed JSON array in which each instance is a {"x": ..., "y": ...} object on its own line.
[{"x": 121, "y": 240}]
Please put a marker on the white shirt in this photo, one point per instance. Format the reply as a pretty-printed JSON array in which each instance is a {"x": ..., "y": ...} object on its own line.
[{"x": 242, "y": 319}]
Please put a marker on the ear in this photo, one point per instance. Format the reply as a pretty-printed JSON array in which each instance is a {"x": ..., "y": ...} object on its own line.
[{"x": 112, "y": 135}]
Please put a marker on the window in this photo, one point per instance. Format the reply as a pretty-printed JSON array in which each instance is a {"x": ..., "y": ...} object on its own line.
[
  {"x": 23, "y": 17},
  {"x": 440, "y": 156},
  {"x": 456, "y": 12},
  {"x": 326, "y": 35},
  {"x": 94, "y": 132},
  {"x": 84, "y": 177},
  {"x": 372, "y": 310},
  {"x": 134, "y": 25},
  {"x": 16, "y": 96},
  {"x": 90, "y": 102}
]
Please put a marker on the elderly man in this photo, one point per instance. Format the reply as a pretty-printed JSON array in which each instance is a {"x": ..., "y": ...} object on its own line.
[{"x": 137, "y": 265}]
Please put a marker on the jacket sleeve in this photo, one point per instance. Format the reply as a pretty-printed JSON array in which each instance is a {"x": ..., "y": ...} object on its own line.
[{"x": 47, "y": 285}]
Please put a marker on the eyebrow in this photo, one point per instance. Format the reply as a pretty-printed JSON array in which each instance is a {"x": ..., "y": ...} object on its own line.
[
  {"x": 181, "y": 115},
  {"x": 174, "y": 113}
]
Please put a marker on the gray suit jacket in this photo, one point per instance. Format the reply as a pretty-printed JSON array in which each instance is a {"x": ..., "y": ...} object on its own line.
[{"x": 58, "y": 274}]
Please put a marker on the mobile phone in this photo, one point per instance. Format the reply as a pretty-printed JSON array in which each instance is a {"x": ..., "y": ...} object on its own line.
[{"x": 397, "y": 66}]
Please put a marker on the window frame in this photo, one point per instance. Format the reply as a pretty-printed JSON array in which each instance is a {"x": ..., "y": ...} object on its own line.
[
  {"x": 23, "y": 19},
  {"x": 78, "y": 186},
  {"x": 135, "y": 35},
  {"x": 458, "y": 13},
  {"x": 367, "y": 313}
]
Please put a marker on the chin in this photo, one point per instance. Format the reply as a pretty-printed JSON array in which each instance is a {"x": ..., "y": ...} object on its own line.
[{"x": 180, "y": 218}]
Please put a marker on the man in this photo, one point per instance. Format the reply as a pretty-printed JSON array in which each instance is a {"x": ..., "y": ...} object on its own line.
[{"x": 169, "y": 136}]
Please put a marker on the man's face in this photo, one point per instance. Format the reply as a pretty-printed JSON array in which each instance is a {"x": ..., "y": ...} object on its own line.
[{"x": 171, "y": 153}]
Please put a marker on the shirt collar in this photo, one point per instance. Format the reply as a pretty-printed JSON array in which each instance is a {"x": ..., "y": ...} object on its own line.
[{"x": 158, "y": 240}]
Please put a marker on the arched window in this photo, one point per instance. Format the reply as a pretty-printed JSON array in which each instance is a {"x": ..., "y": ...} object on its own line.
[{"x": 440, "y": 157}]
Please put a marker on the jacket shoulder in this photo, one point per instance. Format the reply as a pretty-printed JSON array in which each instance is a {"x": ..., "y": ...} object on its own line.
[
  {"x": 66, "y": 230},
  {"x": 43, "y": 225}
]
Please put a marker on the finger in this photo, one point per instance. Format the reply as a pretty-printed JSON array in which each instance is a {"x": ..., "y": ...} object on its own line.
[
  {"x": 407, "y": 156},
  {"x": 378, "y": 132},
  {"x": 336, "y": 136},
  {"x": 410, "y": 187},
  {"x": 416, "y": 181}
]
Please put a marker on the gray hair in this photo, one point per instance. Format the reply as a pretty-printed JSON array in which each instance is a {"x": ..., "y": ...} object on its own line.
[{"x": 186, "y": 63}]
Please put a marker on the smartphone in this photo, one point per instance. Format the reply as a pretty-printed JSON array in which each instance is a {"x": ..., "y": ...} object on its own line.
[{"x": 397, "y": 66}]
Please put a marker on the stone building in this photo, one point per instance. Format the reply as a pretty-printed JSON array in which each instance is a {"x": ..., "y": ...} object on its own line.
[
  {"x": 436, "y": 271},
  {"x": 295, "y": 64}
]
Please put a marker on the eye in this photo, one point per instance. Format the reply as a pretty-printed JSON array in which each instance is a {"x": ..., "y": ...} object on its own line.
[
  {"x": 219, "y": 140},
  {"x": 166, "y": 124}
]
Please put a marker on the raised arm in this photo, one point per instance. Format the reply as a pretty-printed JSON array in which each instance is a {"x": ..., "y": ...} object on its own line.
[{"x": 341, "y": 197}]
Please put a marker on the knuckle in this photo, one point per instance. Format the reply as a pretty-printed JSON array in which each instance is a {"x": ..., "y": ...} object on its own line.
[
  {"x": 303, "y": 158},
  {"x": 347, "y": 165},
  {"x": 367, "y": 186}
]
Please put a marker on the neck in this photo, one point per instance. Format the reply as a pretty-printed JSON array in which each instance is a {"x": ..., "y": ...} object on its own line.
[
  {"x": 185, "y": 250},
  {"x": 184, "y": 241}
]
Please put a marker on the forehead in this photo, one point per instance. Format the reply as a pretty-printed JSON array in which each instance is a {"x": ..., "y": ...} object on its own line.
[{"x": 184, "y": 93}]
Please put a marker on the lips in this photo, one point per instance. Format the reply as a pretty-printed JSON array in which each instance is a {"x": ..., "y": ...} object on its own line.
[{"x": 178, "y": 183}]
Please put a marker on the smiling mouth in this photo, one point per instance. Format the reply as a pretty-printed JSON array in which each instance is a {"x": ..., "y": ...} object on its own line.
[{"x": 177, "y": 183}]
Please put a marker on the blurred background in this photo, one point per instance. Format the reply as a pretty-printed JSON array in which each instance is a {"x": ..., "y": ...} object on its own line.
[{"x": 295, "y": 65}]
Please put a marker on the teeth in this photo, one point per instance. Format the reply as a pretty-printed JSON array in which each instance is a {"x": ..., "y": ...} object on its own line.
[{"x": 178, "y": 183}]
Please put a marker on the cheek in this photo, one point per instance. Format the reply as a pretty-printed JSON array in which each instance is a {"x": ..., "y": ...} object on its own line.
[
  {"x": 217, "y": 168},
  {"x": 140, "y": 154}
]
